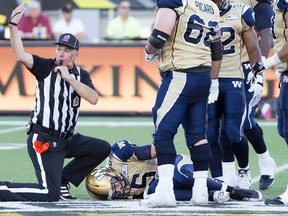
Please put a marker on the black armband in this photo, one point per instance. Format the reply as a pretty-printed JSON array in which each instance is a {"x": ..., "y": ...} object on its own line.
[
  {"x": 216, "y": 50},
  {"x": 12, "y": 23},
  {"x": 10, "y": 20},
  {"x": 157, "y": 39}
]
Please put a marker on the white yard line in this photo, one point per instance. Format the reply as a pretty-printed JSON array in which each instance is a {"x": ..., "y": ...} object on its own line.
[
  {"x": 111, "y": 123},
  {"x": 132, "y": 207},
  {"x": 6, "y": 146},
  {"x": 11, "y": 130}
]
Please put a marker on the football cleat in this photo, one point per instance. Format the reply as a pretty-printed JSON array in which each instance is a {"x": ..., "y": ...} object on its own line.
[
  {"x": 267, "y": 172},
  {"x": 275, "y": 201},
  {"x": 65, "y": 194},
  {"x": 163, "y": 197},
  {"x": 266, "y": 182},
  {"x": 245, "y": 194},
  {"x": 200, "y": 193},
  {"x": 244, "y": 178}
]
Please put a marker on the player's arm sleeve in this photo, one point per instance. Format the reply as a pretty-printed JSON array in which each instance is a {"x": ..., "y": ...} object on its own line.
[
  {"x": 216, "y": 50},
  {"x": 142, "y": 152},
  {"x": 263, "y": 14},
  {"x": 281, "y": 4},
  {"x": 169, "y": 4},
  {"x": 248, "y": 18}
]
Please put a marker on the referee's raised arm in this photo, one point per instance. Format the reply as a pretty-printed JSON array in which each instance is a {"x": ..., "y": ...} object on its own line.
[
  {"x": 51, "y": 130},
  {"x": 15, "y": 39}
]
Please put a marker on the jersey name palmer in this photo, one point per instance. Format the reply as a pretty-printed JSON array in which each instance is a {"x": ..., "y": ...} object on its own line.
[{"x": 204, "y": 7}]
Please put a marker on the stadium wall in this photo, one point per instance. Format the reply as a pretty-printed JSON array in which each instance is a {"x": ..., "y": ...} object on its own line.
[{"x": 126, "y": 83}]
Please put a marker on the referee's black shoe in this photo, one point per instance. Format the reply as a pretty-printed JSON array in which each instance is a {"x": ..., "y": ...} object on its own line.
[{"x": 65, "y": 194}]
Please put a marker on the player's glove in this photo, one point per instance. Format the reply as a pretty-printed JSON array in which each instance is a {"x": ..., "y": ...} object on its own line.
[
  {"x": 257, "y": 88},
  {"x": 257, "y": 68},
  {"x": 151, "y": 57},
  {"x": 214, "y": 91},
  {"x": 250, "y": 78}
]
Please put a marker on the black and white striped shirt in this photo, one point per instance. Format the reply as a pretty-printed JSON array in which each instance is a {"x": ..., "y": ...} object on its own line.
[{"x": 57, "y": 103}]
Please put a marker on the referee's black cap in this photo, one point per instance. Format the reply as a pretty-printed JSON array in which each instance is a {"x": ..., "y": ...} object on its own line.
[
  {"x": 67, "y": 8},
  {"x": 68, "y": 40}
]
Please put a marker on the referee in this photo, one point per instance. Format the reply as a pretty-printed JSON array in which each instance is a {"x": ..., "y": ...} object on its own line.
[{"x": 59, "y": 88}]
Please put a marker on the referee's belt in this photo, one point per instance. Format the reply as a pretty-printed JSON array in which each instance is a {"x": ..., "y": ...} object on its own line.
[{"x": 49, "y": 131}]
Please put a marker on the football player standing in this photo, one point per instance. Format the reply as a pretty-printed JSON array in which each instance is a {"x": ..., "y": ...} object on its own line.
[
  {"x": 187, "y": 41},
  {"x": 252, "y": 130},
  {"x": 229, "y": 110}
]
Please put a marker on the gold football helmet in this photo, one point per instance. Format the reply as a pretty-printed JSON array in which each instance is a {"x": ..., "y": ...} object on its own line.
[
  {"x": 222, "y": 4},
  {"x": 106, "y": 183}
]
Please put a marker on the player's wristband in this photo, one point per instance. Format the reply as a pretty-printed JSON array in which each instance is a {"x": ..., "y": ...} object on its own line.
[{"x": 272, "y": 61}]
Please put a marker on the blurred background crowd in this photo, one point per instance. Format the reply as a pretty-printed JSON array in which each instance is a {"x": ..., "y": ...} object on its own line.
[{"x": 93, "y": 21}]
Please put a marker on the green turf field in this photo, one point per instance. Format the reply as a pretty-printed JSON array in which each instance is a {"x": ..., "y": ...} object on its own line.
[{"x": 16, "y": 165}]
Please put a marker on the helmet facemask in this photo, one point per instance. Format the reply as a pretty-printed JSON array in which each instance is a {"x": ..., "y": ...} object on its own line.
[
  {"x": 106, "y": 183},
  {"x": 222, "y": 4},
  {"x": 120, "y": 187}
]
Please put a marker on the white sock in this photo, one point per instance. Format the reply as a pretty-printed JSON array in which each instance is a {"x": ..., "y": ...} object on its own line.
[
  {"x": 228, "y": 168},
  {"x": 263, "y": 156},
  {"x": 166, "y": 172},
  {"x": 200, "y": 174},
  {"x": 245, "y": 168},
  {"x": 200, "y": 179}
]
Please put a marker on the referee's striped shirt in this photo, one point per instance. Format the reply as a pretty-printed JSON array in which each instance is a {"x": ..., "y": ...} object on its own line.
[{"x": 57, "y": 103}]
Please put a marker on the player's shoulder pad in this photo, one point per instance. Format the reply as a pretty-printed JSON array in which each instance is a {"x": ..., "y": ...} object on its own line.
[
  {"x": 122, "y": 149},
  {"x": 169, "y": 4},
  {"x": 282, "y": 4},
  {"x": 248, "y": 16}
]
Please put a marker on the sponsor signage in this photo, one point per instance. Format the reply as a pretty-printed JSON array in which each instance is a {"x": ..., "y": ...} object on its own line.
[{"x": 121, "y": 76}]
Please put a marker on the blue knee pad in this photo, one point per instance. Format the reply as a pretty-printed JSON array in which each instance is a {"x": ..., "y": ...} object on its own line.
[
  {"x": 259, "y": 128},
  {"x": 165, "y": 150},
  {"x": 200, "y": 152}
]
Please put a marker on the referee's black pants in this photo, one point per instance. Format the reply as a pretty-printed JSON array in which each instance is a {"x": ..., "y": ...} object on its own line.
[{"x": 87, "y": 153}]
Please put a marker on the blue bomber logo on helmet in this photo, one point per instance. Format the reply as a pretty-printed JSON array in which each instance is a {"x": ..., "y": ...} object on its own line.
[{"x": 106, "y": 183}]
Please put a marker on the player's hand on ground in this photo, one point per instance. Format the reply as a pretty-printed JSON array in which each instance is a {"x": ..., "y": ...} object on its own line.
[{"x": 214, "y": 91}]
